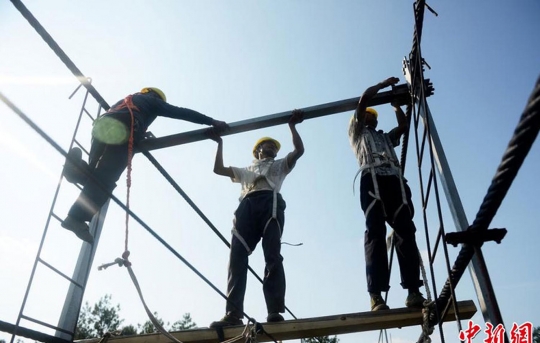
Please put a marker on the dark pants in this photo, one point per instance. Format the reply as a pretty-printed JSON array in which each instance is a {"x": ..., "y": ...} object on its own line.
[
  {"x": 378, "y": 275},
  {"x": 106, "y": 164},
  {"x": 251, "y": 217}
]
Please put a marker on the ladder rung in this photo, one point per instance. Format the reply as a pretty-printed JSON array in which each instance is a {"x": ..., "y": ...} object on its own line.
[
  {"x": 60, "y": 273},
  {"x": 437, "y": 242},
  {"x": 56, "y": 217},
  {"x": 428, "y": 190},
  {"x": 47, "y": 325},
  {"x": 88, "y": 114}
]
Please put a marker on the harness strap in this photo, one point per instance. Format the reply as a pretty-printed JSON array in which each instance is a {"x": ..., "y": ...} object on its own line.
[
  {"x": 404, "y": 202},
  {"x": 377, "y": 194},
  {"x": 241, "y": 239},
  {"x": 370, "y": 207},
  {"x": 274, "y": 217}
]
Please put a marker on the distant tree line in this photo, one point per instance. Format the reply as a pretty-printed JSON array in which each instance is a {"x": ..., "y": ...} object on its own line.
[{"x": 95, "y": 321}]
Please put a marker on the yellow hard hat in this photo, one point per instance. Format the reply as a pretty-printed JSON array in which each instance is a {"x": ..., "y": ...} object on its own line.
[
  {"x": 154, "y": 89},
  {"x": 265, "y": 139},
  {"x": 372, "y": 111}
]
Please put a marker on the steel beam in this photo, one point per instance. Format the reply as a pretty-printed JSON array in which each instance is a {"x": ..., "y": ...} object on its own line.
[{"x": 401, "y": 92}]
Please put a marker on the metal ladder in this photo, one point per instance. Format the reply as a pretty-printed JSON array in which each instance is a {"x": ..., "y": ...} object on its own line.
[{"x": 76, "y": 284}]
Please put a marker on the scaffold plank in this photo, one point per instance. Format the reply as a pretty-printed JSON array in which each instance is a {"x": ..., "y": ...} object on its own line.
[{"x": 305, "y": 328}]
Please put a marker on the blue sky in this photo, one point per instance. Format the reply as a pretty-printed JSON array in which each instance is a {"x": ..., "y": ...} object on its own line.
[{"x": 236, "y": 60}]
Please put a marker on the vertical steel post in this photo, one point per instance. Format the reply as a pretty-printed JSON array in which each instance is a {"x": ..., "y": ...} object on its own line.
[{"x": 72, "y": 304}]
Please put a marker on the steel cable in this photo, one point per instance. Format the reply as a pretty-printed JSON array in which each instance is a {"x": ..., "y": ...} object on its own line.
[{"x": 519, "y": 146}]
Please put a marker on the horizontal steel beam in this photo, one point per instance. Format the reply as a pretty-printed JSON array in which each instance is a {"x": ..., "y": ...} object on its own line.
[{"x": 400, "y": 92}]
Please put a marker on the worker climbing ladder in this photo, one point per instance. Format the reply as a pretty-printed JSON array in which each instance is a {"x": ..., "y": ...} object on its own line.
[{"x": 65, "y": 328}]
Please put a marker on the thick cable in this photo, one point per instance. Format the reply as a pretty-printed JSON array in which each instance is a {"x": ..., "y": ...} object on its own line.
[{"x": 519, "y": 146}]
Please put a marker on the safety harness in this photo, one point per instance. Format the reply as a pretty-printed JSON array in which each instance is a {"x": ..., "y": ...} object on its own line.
[
  {"x": 124, "y": 261},
  {"x": 370, "y": 158},
  {"x": 263, "y": 172}
]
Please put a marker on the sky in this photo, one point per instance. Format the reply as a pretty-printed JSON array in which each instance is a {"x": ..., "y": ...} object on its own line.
[{"x": 235, "y": 60}]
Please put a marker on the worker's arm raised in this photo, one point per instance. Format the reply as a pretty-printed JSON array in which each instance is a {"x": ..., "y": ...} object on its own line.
[
  {"x": 401, "y": 119},
  {"x": 297, "y": 117},
  {"x": 219, "y": 167},
  {"x": 368, "y": 94}
]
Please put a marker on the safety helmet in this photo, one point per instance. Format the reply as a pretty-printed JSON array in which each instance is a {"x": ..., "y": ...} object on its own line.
[
  {"x": 372, "y": 111},
  {"x": 154, "y": 89},
  {"x": 262, "y": 140}
]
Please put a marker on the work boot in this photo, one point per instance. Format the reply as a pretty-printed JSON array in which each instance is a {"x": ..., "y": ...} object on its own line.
[
  {"x": 377, "y": 303},
  {"x": 415, "y": 299},
  {"x": 227, "y": 320},
  {"x": 79, "y": 228},
  {"x": 274, "y": 318},
  {"x": 72, "y": 167}
]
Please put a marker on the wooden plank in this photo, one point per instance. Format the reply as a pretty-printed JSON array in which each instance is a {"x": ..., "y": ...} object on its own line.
[{"x": 304, "y": 328}]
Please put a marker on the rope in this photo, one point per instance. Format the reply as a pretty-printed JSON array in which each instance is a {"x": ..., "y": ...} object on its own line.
[
  {"x": 427, "y": 328},
  {"x": 124, "y": 262},
  {"x": 245, "y": 334},
  {"x": 128, "y": 102},
  {"x": 105, "y": 337},
  {"x": 250, "y": 333}
]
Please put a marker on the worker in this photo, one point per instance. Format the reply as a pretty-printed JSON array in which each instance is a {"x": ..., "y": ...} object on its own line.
[
  {"x": 260, "y": 214},
  {"x": 126, "y": 121},
  {"x": 385, "y": 197}
]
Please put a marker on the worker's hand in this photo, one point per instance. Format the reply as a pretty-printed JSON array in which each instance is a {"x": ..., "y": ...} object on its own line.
[
  {"x": 220, "y": 126},
  {"x": 213, "y": 135},
  {"x": 297, "y": 116},
  {"x": 395, "y": 103},
  {"x": 389, "y": 81}
]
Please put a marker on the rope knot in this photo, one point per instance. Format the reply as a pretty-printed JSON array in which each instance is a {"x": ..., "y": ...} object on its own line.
[
  {"x": 118, "y": 261},
  {"x": 125, "y": 257}
]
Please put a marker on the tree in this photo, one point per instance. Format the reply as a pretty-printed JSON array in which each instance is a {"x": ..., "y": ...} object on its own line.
[
  {"x": 99, "y": 319},
  {"x": 536, "y": 335},
  {"x": 148, "y": 326},
  {"x": 322, "y": 339},
  {"x": 128, "y": 330},
  {"x": 185, "y": 323},
  {"x": 103, "y": 317}
]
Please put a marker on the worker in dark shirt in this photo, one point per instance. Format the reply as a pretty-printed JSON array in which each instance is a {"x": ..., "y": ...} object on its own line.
[
  {"x": 385, "y": 198},
  {"x": 123, "y": 125}
]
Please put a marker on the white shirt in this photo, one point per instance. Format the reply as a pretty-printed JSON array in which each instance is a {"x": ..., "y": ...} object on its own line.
[
  {"x": 265, "y": 174},
  {"x": 380, "y": 147}
]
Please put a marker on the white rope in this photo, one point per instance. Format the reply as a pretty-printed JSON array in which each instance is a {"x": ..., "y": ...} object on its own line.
[
  {"x": 245, "y": 334},
  {"x": 157, "y": 325},
  {"x": 153, "y": 319}
]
